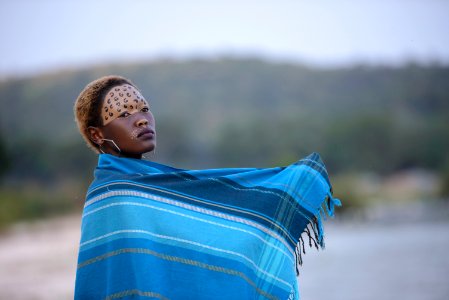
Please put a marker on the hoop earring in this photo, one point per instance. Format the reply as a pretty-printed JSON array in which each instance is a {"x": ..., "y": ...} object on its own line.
[
  {"x": 99, "y": 147},
  {"x": 113, "y": 143}
]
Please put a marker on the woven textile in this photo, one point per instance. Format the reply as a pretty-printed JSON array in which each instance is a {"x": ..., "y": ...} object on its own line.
[{"x": 150, "y": 231}]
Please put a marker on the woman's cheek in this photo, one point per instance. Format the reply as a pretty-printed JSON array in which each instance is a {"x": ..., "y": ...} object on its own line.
[{"x": 134, "y": 134}]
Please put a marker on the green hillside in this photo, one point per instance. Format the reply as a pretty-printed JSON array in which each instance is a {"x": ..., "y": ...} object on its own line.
[
  {"x": 253, "y": 112},
  {"x": 238, "y": 112}
]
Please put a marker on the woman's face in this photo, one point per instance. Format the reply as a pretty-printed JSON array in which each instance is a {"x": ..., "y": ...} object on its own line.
[{"x": 128, "y": 121}]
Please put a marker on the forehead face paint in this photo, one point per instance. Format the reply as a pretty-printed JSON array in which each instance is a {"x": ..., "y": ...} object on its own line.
[{"x": 120, "y": 99}]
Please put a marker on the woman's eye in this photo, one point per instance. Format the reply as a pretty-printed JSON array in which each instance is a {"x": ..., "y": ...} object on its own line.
[
  {"x": 145, "y": 109},
  {"x": 124, "y": 115}
]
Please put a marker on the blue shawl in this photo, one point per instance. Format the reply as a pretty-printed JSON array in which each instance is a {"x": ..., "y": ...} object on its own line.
[{"x": 151, "y": 231}]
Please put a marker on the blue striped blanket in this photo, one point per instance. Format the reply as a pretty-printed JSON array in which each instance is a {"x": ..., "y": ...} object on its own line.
[{"x": 150, "y": 231}]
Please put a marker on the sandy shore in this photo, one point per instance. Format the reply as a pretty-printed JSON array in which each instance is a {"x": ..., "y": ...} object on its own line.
[{"x": 38, "y": 260}]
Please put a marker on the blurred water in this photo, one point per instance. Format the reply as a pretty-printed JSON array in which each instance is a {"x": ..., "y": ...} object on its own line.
[
  {"x": 361, "y": 261},
  {"x": 401, "y": 261}
]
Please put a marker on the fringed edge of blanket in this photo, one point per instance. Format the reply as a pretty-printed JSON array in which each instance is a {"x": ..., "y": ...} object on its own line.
[{"x": 314, "y": 230}]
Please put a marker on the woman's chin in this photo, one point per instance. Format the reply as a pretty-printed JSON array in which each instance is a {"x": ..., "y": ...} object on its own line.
[
  {"x": 149, "y": 148},
  {"x": 137, "y": 150}
]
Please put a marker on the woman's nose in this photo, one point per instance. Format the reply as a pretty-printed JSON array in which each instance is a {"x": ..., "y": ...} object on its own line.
[{"x": 142, "y": 122}]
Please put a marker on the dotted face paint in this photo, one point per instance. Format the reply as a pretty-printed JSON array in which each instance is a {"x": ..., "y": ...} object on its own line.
[{"x": 121, "y": 99}]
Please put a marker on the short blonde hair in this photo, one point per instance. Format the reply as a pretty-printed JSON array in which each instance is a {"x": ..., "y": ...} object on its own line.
[{"x": 88, "y": 105}]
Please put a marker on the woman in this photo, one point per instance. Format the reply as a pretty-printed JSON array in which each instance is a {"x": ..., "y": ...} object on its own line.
[
  {"x": 112, "y": 112},
  {"x": 153, "y": 231}
]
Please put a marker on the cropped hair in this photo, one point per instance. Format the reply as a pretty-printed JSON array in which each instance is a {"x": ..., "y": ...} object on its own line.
[{"x": 87, "y": 107}]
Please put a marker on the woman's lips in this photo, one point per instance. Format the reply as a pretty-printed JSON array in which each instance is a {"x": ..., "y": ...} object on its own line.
[{"x": 147, "y": 133}]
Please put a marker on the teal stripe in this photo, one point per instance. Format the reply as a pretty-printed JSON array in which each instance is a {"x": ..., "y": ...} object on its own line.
[{"x": 128, "y": 218}]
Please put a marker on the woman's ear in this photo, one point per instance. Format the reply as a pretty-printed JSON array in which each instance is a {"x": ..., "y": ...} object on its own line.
[{"x": 95, "y": 135}]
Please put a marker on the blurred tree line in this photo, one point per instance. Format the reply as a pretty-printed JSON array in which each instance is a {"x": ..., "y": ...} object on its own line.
[{"x": 231, "y": 112}]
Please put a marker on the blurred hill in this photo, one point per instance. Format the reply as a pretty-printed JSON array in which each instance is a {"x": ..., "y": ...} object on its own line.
[{"x": 232, "y": 112}]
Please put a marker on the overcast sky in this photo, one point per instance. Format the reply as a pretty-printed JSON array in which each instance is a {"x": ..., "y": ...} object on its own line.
[{"x": 41, "y": 35}]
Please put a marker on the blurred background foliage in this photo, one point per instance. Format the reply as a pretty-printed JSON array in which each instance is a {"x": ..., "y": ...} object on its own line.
[{"x": 383, "y": 132}]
